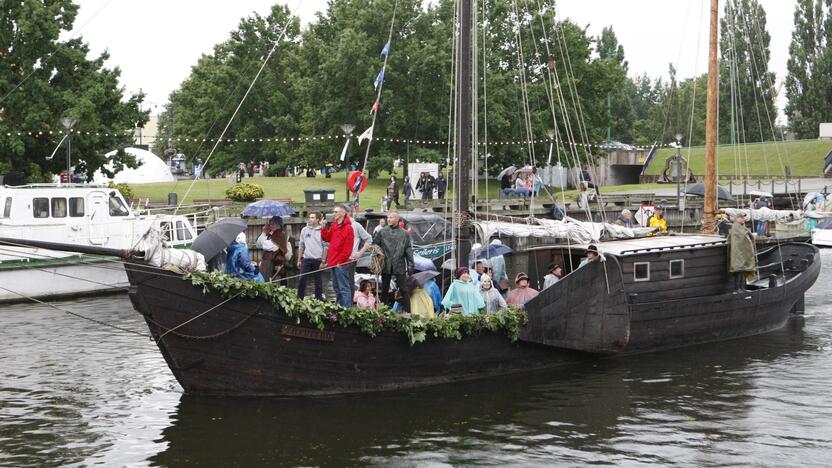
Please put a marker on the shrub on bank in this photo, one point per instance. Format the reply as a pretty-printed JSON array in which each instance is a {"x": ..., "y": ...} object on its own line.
[
  {"x": 125, "y": 190},
  {"x": 244, "y": 192}
]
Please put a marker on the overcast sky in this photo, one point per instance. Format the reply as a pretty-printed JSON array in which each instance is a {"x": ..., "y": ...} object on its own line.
[{"x": 155, "y": 42}]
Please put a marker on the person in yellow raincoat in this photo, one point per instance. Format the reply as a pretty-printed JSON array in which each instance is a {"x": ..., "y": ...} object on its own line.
[
  {"x": 657, "y": 220},
  {"x": 420, "y": 302}
]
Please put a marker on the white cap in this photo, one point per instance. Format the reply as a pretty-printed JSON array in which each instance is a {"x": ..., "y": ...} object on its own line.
[
  {"x": 241, "y": 238},
  {"x": 496, "y": 242}
]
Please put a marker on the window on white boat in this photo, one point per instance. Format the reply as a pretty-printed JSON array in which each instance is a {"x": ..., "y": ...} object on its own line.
[
  {"x": 40, "y": 207},
  {"x": 677, "y": 269},
  {"x": 641, "y": 271},
  {"x": 182, "y": 232},
  {"x": 167, "y": 230},
  {"x": 59, "y": 207},
  {"x": 76, "y": 207},
  {"x": 117, "y": 207},
  {"x": 7, "y": 209}
]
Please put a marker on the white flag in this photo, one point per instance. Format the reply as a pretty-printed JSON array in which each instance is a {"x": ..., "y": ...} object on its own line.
[
  {"x": 368, "y": 134},
  {"x": 344, "y": 151}
]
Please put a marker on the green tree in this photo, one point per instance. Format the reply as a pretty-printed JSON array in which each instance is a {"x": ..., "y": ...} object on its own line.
[
  {"x": 201, "y": 108},
  {"x": 747, "y": 108},
  {"x": 808, "y": 85},
  {"x": 43, "y": 79}
]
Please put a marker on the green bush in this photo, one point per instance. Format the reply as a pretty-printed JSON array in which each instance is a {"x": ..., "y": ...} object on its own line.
[
  {"x": 276, "y": 171},
  {"x": 125, "y": 190},
  {"x": 244, "y": 192}
]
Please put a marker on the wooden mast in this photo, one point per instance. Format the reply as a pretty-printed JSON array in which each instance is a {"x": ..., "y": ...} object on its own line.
[
  {"x": 463, "y": 132},
  {"x": 709, "y": 223}
]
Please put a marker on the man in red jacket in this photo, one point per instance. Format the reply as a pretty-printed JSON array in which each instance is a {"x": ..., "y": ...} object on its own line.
[{"x": 339, "y": 234}]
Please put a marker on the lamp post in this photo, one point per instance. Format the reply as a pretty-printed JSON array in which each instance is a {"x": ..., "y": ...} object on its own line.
[
  {"x": 551, "y": 134},
  {"x": 347, "y": 129},
  {"x": 679, "y": 137},
  {"x": 68, "y": 123}
]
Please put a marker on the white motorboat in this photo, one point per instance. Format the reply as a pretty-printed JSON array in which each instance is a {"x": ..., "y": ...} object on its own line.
[
  {"x": 78, "y": 215},
  {"x": 822, "y": 234}
]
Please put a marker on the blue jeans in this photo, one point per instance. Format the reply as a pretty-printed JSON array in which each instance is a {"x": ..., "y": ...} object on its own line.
[
  {"x": 341, "y": 284},
  {"x": 311, "y": 267}
]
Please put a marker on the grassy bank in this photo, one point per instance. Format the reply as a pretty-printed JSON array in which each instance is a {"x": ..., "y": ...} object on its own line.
[
  {"x": 805, "y": 158},
  {"x": 278, "y": 188}
]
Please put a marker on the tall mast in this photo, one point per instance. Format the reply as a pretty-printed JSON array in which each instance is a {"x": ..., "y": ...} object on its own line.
[
  {"x": 463, "y": 130},
  {"x": 709, "y": 224}
]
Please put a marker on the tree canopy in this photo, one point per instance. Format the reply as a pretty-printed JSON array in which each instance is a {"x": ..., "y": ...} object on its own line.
[{"x": 43, "y": 79}]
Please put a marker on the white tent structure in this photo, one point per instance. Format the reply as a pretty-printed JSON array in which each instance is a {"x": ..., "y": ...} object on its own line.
[{"x": 151, "y": 169}]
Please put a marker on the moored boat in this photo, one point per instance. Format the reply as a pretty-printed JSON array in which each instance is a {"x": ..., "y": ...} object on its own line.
[{"x": 77, "y": 215}]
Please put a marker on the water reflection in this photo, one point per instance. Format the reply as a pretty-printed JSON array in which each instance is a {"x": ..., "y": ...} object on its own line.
[
  {"x": 76, "y": 394},
  {"x": 647, "y": 408}
]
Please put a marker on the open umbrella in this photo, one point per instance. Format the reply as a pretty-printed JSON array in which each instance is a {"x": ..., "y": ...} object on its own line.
[
  {"x": 423, "y": 276},
  {"x": 699, "y": 191},
  {"x": 218, "y": 236},
  {"x": 494, "y": 251},
  {"x": 267, "y": 208},
  {"x": 509, "y": 170},
  {"x": 422, "y": 263}
]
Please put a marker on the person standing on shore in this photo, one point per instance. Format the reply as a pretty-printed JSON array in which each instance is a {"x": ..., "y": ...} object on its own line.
[
  {"x": 312, "y": 256},
  {"x": 441, "y": 185},
  {"x": 398, "y": 259},
  {"x": 407, "y": 189},
  {"x": 340, "y": 235},
  {"x": 392, "y": 192}
]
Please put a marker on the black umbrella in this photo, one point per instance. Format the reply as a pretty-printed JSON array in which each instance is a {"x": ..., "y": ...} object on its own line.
[
  {"x": 218, "y": 236},
  {"x": 423, "y": 276},
  {"x": 699, "y": 191}
]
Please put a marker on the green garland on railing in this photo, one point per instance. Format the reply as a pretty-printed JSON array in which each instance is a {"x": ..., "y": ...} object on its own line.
[{"x": 372, "y": 322}]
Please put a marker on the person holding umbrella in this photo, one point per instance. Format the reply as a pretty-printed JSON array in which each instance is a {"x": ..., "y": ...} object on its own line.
[{"x": 273, "y": 243}]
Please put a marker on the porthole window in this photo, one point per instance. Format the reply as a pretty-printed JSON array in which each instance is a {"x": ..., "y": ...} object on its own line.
[
  {"x": 641, "y": 271},
  {"x": 677, "y": 269},
  {"x": 7, "y": 208}
]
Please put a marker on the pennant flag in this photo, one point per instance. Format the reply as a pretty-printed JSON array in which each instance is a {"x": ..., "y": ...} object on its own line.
[
  {"x": 345, "y": 152},
  {"x": 375, "y": 107},
  {"x": 368, "y": 134},
  {"x": 385, "y": 50},
  {"x": 379, "y": 78},
  {"x": 356, "y": 187}
]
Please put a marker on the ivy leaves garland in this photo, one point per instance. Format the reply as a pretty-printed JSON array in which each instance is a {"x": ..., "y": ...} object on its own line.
[{"x": 369, "y": 321}]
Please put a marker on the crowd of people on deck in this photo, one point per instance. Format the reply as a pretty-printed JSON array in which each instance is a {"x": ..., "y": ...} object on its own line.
[{"x": 336, "y": 242}]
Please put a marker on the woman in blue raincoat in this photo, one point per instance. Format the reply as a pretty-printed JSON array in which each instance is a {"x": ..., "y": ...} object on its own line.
[{"x": 238, "y": 260}]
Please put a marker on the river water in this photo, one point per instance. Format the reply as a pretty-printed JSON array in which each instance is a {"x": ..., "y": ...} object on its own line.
[{"x": 75, "y": 393}]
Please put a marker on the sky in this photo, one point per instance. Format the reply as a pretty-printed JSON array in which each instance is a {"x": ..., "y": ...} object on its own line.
[{"x": 155, "y": 42}]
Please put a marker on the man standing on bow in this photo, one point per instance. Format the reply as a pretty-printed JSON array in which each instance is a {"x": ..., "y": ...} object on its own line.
[
  {"x": 398, "y": 259},
  {"x": 339, "y": 234},
  {"x": 311, "y": 256}
]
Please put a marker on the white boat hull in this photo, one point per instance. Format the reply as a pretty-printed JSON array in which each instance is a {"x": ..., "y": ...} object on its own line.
[
  {"x": 70, "y": 277},
  {"x": 822, "y": 237}
]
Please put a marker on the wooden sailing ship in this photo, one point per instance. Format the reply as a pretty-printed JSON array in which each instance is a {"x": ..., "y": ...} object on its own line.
[{"x": 648, "y": 294}]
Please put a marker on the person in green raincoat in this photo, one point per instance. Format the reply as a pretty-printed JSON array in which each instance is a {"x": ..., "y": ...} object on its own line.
[
  {"x": 463, "y": 292},
  {"x": 742, "y": 256}
]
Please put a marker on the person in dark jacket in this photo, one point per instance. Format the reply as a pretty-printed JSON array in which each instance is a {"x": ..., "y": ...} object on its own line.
[
  {"x": 393, "y": 192},
  {"x": 441, "y": 186},
  {"x": 398, "y": 259},
  {"x": 339, "y": 234}
]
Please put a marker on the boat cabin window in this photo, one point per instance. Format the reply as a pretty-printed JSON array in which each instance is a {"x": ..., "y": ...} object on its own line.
[
  {"x": 59, "y": 207},
  {"x": 40, "y": 207},
  {"x": 7, "y": 209},
  {"x": 677, "y": 269},
  {"x": 117, "y": 207},
  {"x": 182, "y": 232},
  {"x": 641, "y": 271},
  {"x": 76, "y": 207},
  {"x": 167, "y": 230}
]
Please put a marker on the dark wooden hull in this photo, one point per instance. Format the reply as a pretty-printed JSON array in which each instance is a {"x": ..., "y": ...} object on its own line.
[
  {"x": 612, "y": 314},
  {"x": 246, "y": 348}
]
